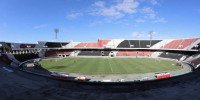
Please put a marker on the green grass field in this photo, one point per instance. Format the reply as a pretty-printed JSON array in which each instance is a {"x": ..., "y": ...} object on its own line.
[{"x": 96, "y": 66}]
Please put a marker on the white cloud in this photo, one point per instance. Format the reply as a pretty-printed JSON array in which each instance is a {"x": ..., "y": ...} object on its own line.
[
  {"x": 116, "y": 11},
  {"x": 124, "y": 22},
  {"x": 110, "y": 12},
  {"x": 140, "y": 20},
  {"x": 142, "y": 35},
  {"x": 102, "y": 10},
  {"x": 40, "y": 26},
  {"x": 100, "y": 4},
  {"x": 153, "y": 2},
  {"x": 95, "y": 23},
  {"x": 136, "y": 34},
  {"x": 73, "y": 15},
  {"x": 150, "y": 13},
  {"x": 160, "y": 20},
  {"x": 127, "y": 6}
]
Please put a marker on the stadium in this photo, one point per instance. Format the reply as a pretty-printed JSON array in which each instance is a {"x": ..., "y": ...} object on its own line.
[
  {"x": 106, "y": 61},
  {"x": 99, "y": 50},
  {"x": 120, "y": 65},
  {"x": 114, "y": 65}
]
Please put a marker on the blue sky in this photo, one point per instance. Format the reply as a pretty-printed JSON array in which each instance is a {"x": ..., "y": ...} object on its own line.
[{"x": 89, "y": 20}]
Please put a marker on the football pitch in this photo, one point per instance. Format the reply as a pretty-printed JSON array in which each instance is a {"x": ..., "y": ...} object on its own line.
[{"x": 97, "y": 66}]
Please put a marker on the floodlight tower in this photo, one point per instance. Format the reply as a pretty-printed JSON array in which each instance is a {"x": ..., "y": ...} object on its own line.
[
  {"x": 150, "y": 36},
  {"x": 56, "y": 30}
]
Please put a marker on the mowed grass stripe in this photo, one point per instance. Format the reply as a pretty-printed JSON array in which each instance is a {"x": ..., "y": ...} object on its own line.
[
  {"x": 97, "y": 66},
  {"x": 132, "y": 67},
  {"x": 92, "y": 66},
  {"x": 71, "y": 65},
  {"x": 80, "y": 64},
  {"x": 128, "y": 66},
  {"x": 137, "y": 66},
  {"x": 152, "y": 66},
  {"x": 87, "y": 66},
  {"x": 118, "y": 66},
  {"x": 107, "y": 69}
]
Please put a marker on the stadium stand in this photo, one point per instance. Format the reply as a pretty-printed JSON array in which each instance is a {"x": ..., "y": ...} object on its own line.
[
  {"x": 93, "y": 53},
  {"x": 196, "y": 62},
  {"x": 196, "y": 47},
  {"x": 27, "y": 45},
  {"x": 50, "y": 53},
  {"x": 92, "y": 45},
  {"x": 124, "y": 44},
  {"x": 98, "y": 44},
  {"x": 117, "y": 43},
  {"x": 81, "y": 45},
  {"x": 12, "y": 58},
  {"x": 186, "y": 43},
  {"x": 4, "y": 58},
  {"x": 148, "y": 43},
  {"x": 180, "y": 43},
  {"x": 24, "y": 57},
  {"x": 173, "y": 44},
  {"x": 8, "y": 45},
  {"x": 103, "y": 43},
  {"x": 134, "y": 53},
  {"x": 90, "y": 53},
  {"x": 53, "y": 49},
  {"x": 58, "y": 53},
  {"x": 14, "y": 45},
  {"x": 137, "y": 43},
  {"x": 4, "y": 47},
  {"x": 177, "y": 56},
  {"x": 44, "y": 44},
  {"x": 54, "y": 44},
  {"x": 134, "y": 43},
  {"x": 114, "y": 43},
  {"x": 71, "y": 45},
  {"x": 105, "y": 53},
  {"x": 161, "y": 44}
]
